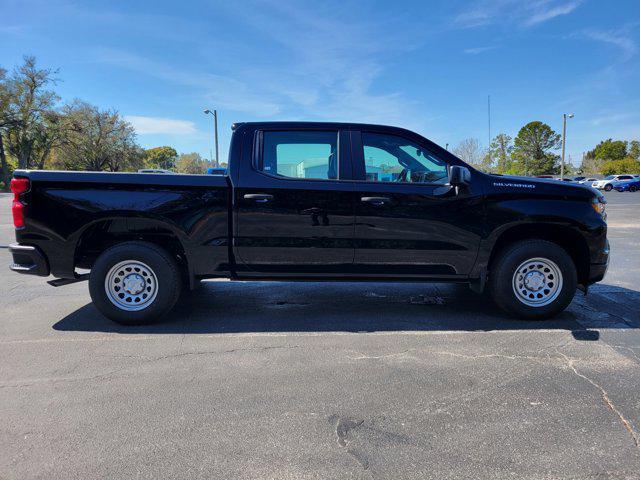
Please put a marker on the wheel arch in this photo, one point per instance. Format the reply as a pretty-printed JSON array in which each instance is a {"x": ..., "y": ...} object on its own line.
[
  {"x": 103, "y": 233},
  {"x": 564, "y": 236}
]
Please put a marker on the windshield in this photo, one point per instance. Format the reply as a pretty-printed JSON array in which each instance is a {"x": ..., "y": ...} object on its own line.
[{"x": 609, "y": 177}]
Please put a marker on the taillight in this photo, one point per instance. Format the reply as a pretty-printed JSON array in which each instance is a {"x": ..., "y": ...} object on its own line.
[{"x": 18, "y": 187}]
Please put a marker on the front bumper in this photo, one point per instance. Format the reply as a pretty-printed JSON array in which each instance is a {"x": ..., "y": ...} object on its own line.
[
  {"x": 597, "y": 271},
  {"x": 28, "y": 259}
]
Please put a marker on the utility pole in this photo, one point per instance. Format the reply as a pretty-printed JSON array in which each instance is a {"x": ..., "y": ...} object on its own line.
[
  {"x": 215, "y": 132},
  {"x": 489, "y": 115},
  {"x": 564, "y": 140}
]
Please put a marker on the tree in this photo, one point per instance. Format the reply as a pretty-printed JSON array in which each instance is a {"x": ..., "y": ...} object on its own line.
[
  {"x": 160, "y": 157},
  {"x": 27, "y": 103},
  {"x": 532, "y": 149},
  {"x": 500, "y": 150},
  {"x": 611, "y": 150},
  {"x": 634, "y": 149},
  {"x": 4, "y": 104},
  {"x": 49, "y": 134},
  {"x": 97, "y": 140},
  {"x": 471, "y": 152},
  {"x": 590, "y": 166},
  {"x": 625, "y": 165},
  {"x": 191, "y": 163},
  {"x": 127, "y": 157}
]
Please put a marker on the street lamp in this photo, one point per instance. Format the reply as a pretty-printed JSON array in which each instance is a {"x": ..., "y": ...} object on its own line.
[
  {"x": 215, "y": 130},
  {"x": 564, "y": 140}
]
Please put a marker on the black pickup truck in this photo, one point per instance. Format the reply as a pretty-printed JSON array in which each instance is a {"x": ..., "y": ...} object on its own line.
[{"x": 317, "y": 202}]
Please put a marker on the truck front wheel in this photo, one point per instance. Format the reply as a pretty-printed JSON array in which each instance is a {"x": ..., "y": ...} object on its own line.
[
  {"x": 533, "y": 279},
  {"x": 134, "y": 283}
]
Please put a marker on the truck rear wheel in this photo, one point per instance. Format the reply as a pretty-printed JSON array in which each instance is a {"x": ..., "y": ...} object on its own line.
[
  {"x": 134, "y": 283},
  {"x": 533, "y": 279}
]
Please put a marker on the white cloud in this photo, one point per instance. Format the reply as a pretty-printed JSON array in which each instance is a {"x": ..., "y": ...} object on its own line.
[
  {"x": 12, "y": 29},
  {"x": 477, "y": 50},
  {"x": 328, "y": 70},
  {"x": 542, "y": 14},
  {"x": 620, "y": 38},
  {"x": 528, "y": 14},
  {"x": 171, "y": 126},
  {"x": 222, "y": 91},
  {"x": 614, "y": 117},
  {"x": 336, "y": 63}
]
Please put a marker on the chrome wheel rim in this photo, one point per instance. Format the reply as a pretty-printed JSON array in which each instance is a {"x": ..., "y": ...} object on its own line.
[
  {"x": 537, "y": 282},
  {"x": 131, "y": 285}
]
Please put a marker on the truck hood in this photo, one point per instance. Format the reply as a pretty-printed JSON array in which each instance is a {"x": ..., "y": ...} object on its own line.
[{"x": 543, "y": 186}]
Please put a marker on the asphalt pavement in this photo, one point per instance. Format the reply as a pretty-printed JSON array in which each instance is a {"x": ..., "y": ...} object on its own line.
[{"x": 308, "y": 380}]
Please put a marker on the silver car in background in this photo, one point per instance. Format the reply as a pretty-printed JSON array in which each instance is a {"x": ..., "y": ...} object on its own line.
[{"x": 608, "y": 182}]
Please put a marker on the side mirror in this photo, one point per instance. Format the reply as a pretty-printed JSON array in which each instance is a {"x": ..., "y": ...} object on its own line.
[{"x": 459, "y": 176}]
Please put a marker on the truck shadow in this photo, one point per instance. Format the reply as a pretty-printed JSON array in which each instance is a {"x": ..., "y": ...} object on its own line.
[{"x": 241, "y": 307}]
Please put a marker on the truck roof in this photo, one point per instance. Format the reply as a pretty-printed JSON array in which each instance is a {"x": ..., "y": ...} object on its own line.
[{"x": 295, "y": 124}]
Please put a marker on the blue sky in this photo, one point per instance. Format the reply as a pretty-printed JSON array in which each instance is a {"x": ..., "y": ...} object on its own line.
[{"x": 426, "y": 66}]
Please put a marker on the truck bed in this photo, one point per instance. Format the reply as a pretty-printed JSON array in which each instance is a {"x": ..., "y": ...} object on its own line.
[{"x": 67, "y": 213}]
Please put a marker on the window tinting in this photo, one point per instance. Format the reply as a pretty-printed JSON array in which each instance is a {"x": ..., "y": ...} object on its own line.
[
  {"x": 389, "y": 158},
  {"x": 301, "y": 154}
]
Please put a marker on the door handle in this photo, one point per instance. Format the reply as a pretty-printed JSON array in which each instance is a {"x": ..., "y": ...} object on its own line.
[
  {"x": 258, "y": 197},
  {"x": 377, "y": 201}
]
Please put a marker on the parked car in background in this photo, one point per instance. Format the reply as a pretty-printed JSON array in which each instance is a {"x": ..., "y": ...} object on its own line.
[
  {"x": 628, "y": 185},
  {"x": 216, "y": 171},
  {"x": 588, "y": 181},
  {"x": 607, "y": 183}
]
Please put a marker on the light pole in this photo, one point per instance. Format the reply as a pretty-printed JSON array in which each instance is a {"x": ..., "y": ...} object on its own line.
[
  {"x": 564, "y": 140},
  {"x": 215, "y": 131}
]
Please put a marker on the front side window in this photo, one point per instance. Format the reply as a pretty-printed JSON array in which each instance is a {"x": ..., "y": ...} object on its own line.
[
  {"x": 389, "y": 158},
  {"x": 301, "y": 154}
]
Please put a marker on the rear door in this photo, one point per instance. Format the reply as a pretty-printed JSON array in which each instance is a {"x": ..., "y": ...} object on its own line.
[
  {"x": 409, "y": 222},
  {"x": 295, "y": 204}
]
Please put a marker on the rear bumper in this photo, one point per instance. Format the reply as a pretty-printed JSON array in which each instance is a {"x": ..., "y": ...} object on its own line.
[{"x": 28, "y": 259}]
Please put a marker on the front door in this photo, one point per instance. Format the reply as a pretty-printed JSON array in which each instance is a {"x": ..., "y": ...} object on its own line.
[
  {"x": 409, "y": 222},
  {"x": 294, "y": 213}
]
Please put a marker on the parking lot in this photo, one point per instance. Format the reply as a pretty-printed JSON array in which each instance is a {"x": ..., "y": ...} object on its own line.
[{"x": 308, "y": 380}]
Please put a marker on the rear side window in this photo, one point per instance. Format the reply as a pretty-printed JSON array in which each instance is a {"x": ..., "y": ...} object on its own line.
[
  {"x": 389, "y": 158},
  {"x": 300, "y": 154}
]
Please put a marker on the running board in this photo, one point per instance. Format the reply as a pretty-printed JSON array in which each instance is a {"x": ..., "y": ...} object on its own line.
[{"x": 60, "y": 282}]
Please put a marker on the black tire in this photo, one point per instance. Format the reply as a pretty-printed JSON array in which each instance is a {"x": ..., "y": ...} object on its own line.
[
  {"x": 633, "y": 188},
  {"x": 503, "y": 280},
  {"x": 158, "y": 268},
  {"x": 608, "y": 187}
]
